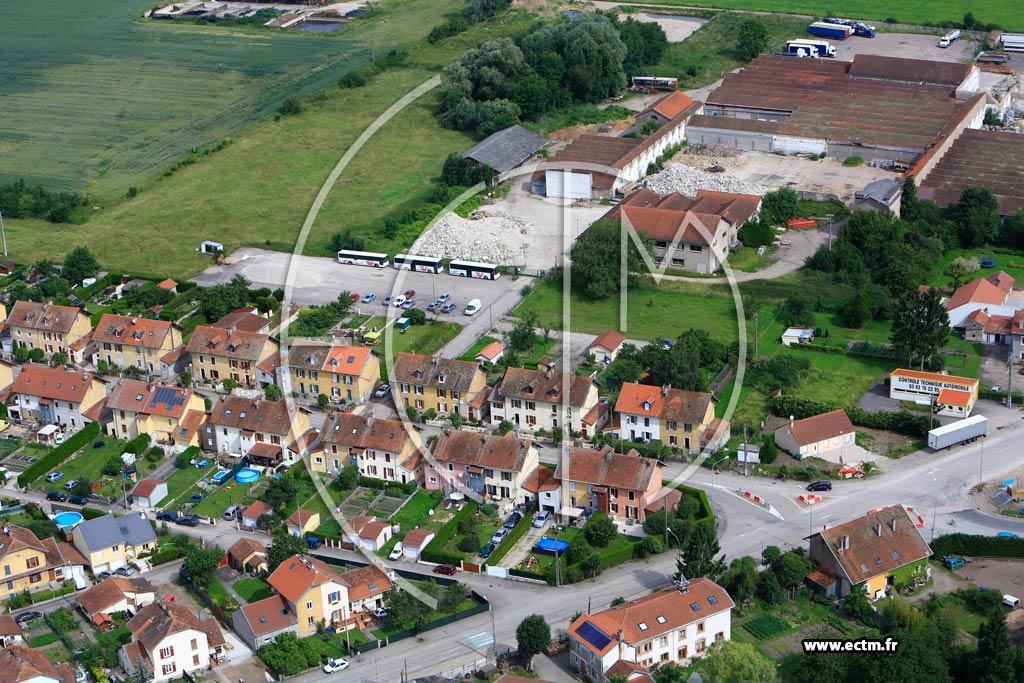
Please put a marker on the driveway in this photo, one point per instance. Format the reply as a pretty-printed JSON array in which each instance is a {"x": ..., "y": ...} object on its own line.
[
  {"x": 993, "y": 366},
  {"x": 523, "y": 546}
]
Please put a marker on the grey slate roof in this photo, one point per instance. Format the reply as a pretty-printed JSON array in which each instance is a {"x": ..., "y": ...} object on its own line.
[
  {"x": 103, "y": 532},
  {"x": 506, "y": 149},
  {"x": 882, "y": 191}
]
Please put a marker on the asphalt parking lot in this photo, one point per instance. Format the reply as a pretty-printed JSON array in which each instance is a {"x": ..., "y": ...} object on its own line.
[
  {"x": 319, "y": 281},
  {"x": 905, "y": 45}
]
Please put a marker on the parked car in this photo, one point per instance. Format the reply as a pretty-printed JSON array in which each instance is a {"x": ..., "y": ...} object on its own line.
[
  {"x": 54, "y": 477},
  {"x": 409, "y": 293},
  {"x": 57, "y": 496},
  {"x": 499, "y": 536},
  {"x": 335, "y": 665},
  {"x": 954, "y": 562},
  {"x": 188, "y": 520},
  {"x": 512, "y": 520},
  {"x": 26, "y": 617},
  {"x": 409, "y": 303},
  {"x": 820, "y": 486},
  {"x": 167, "y": 516},
  {"x": 443, "y": 299},
  {"x": 71, "y": 485},
  {"x": 398, "y": 301},
  {"x": 313, "y": 543},
  {"x": 103, "y": 575},
  {"x": 380, "y": 613},
  {"x": 448, "y": 308},
  {"x": 231, "y": 513},
  {"x": 396, "y": 552},
  {"x": 354, "y": 296},
  {"x": 446, "y": 569},
  {"x": 1007, "y": 534},
  {"x": 386, "y": 300},
  {"x": 382, "y": 391},
  {"x": 125, "y": 571},
  {"x": 369, "y": 298},
  {"x": 486, "y": 551},
  {"x": 542, "y": 518},
  {"x": 432, "y": 306},
  {"x": 78, "y": 500}
]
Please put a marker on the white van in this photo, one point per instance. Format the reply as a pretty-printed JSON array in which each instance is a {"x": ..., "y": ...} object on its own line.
[
  {"x": 473, "y": 307},
  {"x": 398, "y": 300},
  {"x": 947, "y": 40},
  {"x": 1011, "y": 602}
]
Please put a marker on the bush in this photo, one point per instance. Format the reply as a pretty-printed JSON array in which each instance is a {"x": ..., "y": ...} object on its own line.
[
  {"x": 469, "y": 544},
  {"x": 353, "y": 79},
  {"x": 447, "y": 29},
  {"x": 979, "y": 546},
  {"x": 290, "y": 107},
  {"x": 58, "y": 455},
  {"x": 138, "y": 445},
  {"x": 167, "y": 553},
  {"x": 434, "y": 552},
  {"x": 853, "y": 161}
]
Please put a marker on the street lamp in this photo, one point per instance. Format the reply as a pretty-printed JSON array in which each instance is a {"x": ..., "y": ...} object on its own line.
[
  {"x": 981, "y": 461},
  {"x": 935, "y": 505}
]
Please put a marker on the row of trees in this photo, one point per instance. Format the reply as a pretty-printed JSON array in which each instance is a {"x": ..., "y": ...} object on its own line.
[
  {"x": 18, "y": 200},
  {"x": 585, "y": 60}
]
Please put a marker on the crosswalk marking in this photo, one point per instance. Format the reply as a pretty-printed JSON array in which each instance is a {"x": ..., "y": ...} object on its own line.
[{"x": 480, "y": 640}]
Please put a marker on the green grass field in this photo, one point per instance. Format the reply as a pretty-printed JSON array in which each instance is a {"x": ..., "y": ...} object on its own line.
[
  {"x": 1010, "y": 262},
  {"x": 251, "y": 589},
  {"x": 1006, "y": 13}
]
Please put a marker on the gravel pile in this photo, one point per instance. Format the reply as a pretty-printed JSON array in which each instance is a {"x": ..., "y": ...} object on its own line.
[
  {"x": 687, "y": 181},
  {"x": 487, "y": 235}
]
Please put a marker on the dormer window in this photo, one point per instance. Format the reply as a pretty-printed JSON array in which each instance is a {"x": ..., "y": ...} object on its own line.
[
  {"x": 241, "y": 415},
  {"x": 647, "y": 405},
  {"x": 528, "y": 389},
  {"x": 440, "y": 379}
]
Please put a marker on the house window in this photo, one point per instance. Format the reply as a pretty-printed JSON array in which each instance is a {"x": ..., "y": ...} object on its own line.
[
  {"x": 531, "y": 405},
  {"x": 719, "y": 636},
  {"x": 516, "y": 403},
  {"x": 682, "y": 653},
  {"x": 32, "y": 562},
  {"x": 700, "y": 627},
  {"x": 334, "y": 597},
  {"x": 194, "y": 644},
  {"x": 309, "y": 604},
  {"x": 614, "y": 507},
  {"x": 116, "y": 548},
  {"x": 311, "y": 620},
  {"x": 632, "y": 495},
  {"x": 441, "y": 393},
  {"x": 168, "y": 669},
  {"x": 195, "y": 660},
  {"x": 699, "y": 647},
  {"x": 166, "y": 652}
]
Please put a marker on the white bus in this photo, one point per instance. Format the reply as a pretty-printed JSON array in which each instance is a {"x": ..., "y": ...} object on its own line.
[
  {"x": 483, "y": 271},
  {"x": 363, "y": 258},
  {"x": 421, "y": 264},
  {"x": 655, "y": 83}
]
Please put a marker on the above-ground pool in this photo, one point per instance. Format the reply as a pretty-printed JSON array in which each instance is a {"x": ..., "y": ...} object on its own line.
[
  {"x": 221, "y": 476},
  {"x": 67, "y": 520},
  {"x": 550, "y": 545},
  {"x": 247, "y": 475}
]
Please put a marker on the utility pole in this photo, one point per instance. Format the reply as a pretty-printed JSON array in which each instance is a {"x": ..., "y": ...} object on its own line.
[
  {"x": 2, "y": 233},
  {"x": 1009, "y": 380},
  {"x": 494, "y": 636},
  {"x": 981, "y": 461},
  {"x": 192, "y": 123},
  {"x": 755, "y": 337}
]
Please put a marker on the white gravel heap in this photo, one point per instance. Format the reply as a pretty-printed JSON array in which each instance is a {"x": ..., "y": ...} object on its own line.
[
  {"x": 487, "y": 235},
  {"x": 687, "y": 181}
]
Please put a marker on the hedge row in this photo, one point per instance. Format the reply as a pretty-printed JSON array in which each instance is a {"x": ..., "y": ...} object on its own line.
[
  {"x": 167, "y": 553},
  {"x": 93, "y": 513},
  {"x": 979, "y": 546},
  {"x": 435, "y": 552},
  {"x": 58, "y": 455},
  {"x": 137, "y": 446},
  {"x": 899, "y": 421},
  {"x": 380, "y": 484},
  {"x": 517, "y": 533}
]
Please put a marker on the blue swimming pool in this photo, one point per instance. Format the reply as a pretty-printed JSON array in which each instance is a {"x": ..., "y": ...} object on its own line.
[
  {"x": 67, "y": 520},
  {"x": 247, "y": 475},
  {"x": 551, "y": 545},
  {"x": 221, "y": 476}
]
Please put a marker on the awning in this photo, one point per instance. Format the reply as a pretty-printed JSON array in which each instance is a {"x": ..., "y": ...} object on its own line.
[
  {"x": 599, "y": 489},
  {"x": 457, "y": 495},
  {"x": 571, "y": 512},
  {"x": 48, "y": 430}
]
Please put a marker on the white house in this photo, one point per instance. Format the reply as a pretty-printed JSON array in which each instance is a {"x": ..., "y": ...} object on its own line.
[
  {"x": 170, "y": 640},
  {"x": 821, "y": 436},
  {"x": 673, "y": 625},
  {"x": 989, "y": 294},
  {"x": 414, "y": 543},
  {"x": 52, "y": 396},
  {"x": 116, "y": 594},
  {"x": 606, "y": 346},
  {"x": 149, "y": 492},
  {"x": 534, "y": 399}
]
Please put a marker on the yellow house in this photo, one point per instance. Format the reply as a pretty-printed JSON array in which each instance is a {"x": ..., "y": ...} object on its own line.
[
  {"x": 109, "y": 542},
  {"x": 134, "y": 342},
  {"x": 675, "y": 417},
  {"x": 6, "y": 374},
  {"x": 30, "y": 564},
  {"x": 302, "y": 522},
  {"x": 444, "y": 385},
  {"x": 170, "y": 415},
  {"x": 382, "y": 449},
  {"x": 228, "y": 353},
  {"x": 344, "y": 373},
  {"x": 47, "y": 326},
  {"x": 315, "y": 593}
]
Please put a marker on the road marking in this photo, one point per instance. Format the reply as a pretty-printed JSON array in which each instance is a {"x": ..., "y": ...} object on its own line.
[{"x": 480, "y": 640}]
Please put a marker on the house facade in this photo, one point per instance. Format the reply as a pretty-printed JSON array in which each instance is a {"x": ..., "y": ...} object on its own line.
[
  {"x": 109, "y": 542},
  {"x": 671, "y": 626},
  {"x": 314, "y": 591},
  {"x": 489, "y": 465},
  {"x": 876, "y": 552},
  {"x": 170, "y": 415},
  {"x": 381, "y": 449},
  {"x": 605, "y": 348},
  {"x": 218, "y": 354},
  {"x": 990, "y": 295},
  {"x": 621, "y": 485},
  {"x": 444, "y": 385},
  {"x": 127, "y": 342},
  {"x": 536, "y": 399},
  {"x": 170, "y": 640},
  {"x": 820, "y": 436},
  {"x": 51, "y": 396},
  {"x": 50, "y": 328},
  {"x": 675, "y": 417},
  {"x": 237, "y": 424},
  {"x": 344, "y": 373},
  {"x": 116, "y": 594},
  {"x": 30, "y": 564}
]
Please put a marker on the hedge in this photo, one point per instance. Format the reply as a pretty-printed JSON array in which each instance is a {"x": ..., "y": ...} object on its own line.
[
  {"x": 526, "y": 574},
  {"x": 517, "y": 533},
  {"x": 979, "y": 546},
  {"x": 435, "y": 552},
  {"x": 899, "y": 421},
  {"x": 380, "y": 484},
  {"x": 167, "y": 553},
  {"x": 93, "y": 513},
  {"x": 58, "y": 455}
]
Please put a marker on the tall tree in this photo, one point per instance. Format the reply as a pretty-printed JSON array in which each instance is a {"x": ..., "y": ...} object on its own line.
[
  {"x": 920, "y": 326},
  {"x": 284, "y": 546},
  {"x": 533, "y": 635},
  {"x": 596, "y": 261},
  {"x": 751, "y": 39},
  {"x": 697, "y": 557},
  {"x": 80, "y": 264},
  {"x": 976, "y": 216},
  {"x": 733, "y": 661},
  {"x": 201, "y": 564}
]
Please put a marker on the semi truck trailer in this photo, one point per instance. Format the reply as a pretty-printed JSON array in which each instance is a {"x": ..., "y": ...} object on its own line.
[{"x": 961, "y": 431}]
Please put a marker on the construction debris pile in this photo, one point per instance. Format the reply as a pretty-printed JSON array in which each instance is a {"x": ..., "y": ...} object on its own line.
[
  {"x": 487, "y": 235},
  {"x": 687, "y": 181}
]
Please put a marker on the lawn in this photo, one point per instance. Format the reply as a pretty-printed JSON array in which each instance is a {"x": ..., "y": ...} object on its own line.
[
  {"x": 1008, "y": 261},
  {"x": 182, "y": 480},
  {"x": 745, "y": 259},
  {"x": 415, "y": 511},
  {"x": 221, "y": 498},
  {"x": 328, "y": 525},
  {"x": 476, "y": 348},
  {"x": 88, "y": 463},
  {"x": 1006, "y": 13},
  {"x": 282, "y": 163},
  {"x": 251, "y": 589}
]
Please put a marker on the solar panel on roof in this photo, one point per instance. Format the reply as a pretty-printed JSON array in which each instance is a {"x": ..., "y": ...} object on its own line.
[
  {"x": 167, "y": 395},
  {"x": 593, "y": 635}
]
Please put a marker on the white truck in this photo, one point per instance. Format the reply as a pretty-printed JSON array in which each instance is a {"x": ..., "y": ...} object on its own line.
[
  {"x": 949, "y": 38},
  {"x": 961, "y": 431},
  {"x": 809, "y": 47}
]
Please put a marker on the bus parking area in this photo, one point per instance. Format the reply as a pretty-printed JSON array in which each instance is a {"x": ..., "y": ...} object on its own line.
[{"x": 317, "y": 281}]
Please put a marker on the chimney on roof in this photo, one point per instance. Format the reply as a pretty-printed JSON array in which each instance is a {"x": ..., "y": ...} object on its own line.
[
  {"x": 608, "y": 456},
  {"x": 134, "y": 321},
  {"x": 547, "y": 375},
  {"x": 683, "y": 584},
  {"x": 892, "y": 525},
  {"x": 878, "y": 529},
  {"x": 433, "y": 360},
  {"x": 791, "y": 420},
  {"x": 846, "y": 542},
  {"x": 620, "y": 636},
  {"x": 664, "y": 390},
  {"x": 85, "y": 376}
]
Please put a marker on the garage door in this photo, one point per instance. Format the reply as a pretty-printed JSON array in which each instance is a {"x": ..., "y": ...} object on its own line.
[{"x": 568, "y": 184}]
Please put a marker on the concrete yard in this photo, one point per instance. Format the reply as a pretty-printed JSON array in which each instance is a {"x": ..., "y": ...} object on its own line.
[
  {"x": 677, "y": 29},
  {"x": 905, "y": 45}
]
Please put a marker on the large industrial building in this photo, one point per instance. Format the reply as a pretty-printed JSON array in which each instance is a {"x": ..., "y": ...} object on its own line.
[
  {"x": 978, "y": 158},
  {"x": 873, "y": 107}
]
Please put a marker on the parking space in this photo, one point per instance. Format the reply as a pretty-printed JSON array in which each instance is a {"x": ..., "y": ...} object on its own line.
[
  {"x": 905, "y": 45},
  {"x": 524, "y": 546}
]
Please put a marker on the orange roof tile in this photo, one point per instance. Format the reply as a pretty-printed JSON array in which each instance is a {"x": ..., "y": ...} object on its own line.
[
  {"x": 821, "y": 427},
  {"x": 991, "y": 290},
  {"x": 365, "y": 582},
  {"x": 952, "y": 397},
  {"x": 608, "y": 468},
  {"x": 301, "y": 516},
  {"x": 51, "y": 383},
  {"x": 418, "y": 538},
  {"x": 299, "y": 573},
  {"x": 46, "y": 317},
  {"x": 663, "y": 402},
  {"x": 610, "y": 340},
  {"x": 123, "y": 329},
  {"x": 268, "y": 615},
  {"x": 491, "y": 351},
  {"x": 152, "y": 398},
  {"x": 672, "y": 105},
  {"x": 878, "y": 543}
]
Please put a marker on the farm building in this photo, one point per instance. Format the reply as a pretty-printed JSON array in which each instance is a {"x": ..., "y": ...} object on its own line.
[
  {"x": 978, "y": 158},
  {"x": 951, "y": 395},
  {"x": 880, "y": 195},
  {"x": 873, "y": 107},
  {"x": 797, "y": 335},
  {"x": 505, "y": 150}
]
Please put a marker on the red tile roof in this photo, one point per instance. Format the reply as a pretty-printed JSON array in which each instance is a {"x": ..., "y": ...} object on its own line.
[
  {"x": 365, "y": 582},
  {"x": 123, "y": 329},
  {"x": 9, "y": 627},
  {"x": 991, "y": 290},
  {"x": 158, "y": 620},
  {"x": 230, "y": 343},
  {"x": 665, "y": 402},
  {"x": 152, "y": 398},
  {"x": 167, "y": 284},
  {"x": 672, "y": 105},
  {"x": 538, "y": 385},
  {"x": 541, "y": 479},
  {"x": 364, "y": 432},
  {"x": 51, "y": 383},
  {"x": 491, "y": 351},
  {"x": 268, "y": 615},
  {"x": 110, "y": 591},
  {"x": 506, "y": 452},
  {"x": 31, "y": 315},
  {"x": 246, "y": 547},
  {"x": 344, "y": 360},
  {"x": 821, "y": 427},
  {"x": 146, "y": 487},
  {"x": 243, "y": 320},
  {"x": 608, "y": 468},
  {"x": 952, "y": 397},
  {"x": 418, "y": 538},
  {"x": 257, "y": 509},
  {"x": 255, "y": 415},
  {"x": 299, "y": 573},
  {"x": 879, "y": 542},
  {"x": 19, "y": 663},
  {"x": 610, "y": 340},
  {"x": 300, "y": 517},
  {"x": 443, "y": 373}
]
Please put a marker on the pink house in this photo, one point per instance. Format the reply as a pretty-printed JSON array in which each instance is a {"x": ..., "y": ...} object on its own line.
[
  {"x": 490, "y": 465},
  {"x": 621, "y": 485}
]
